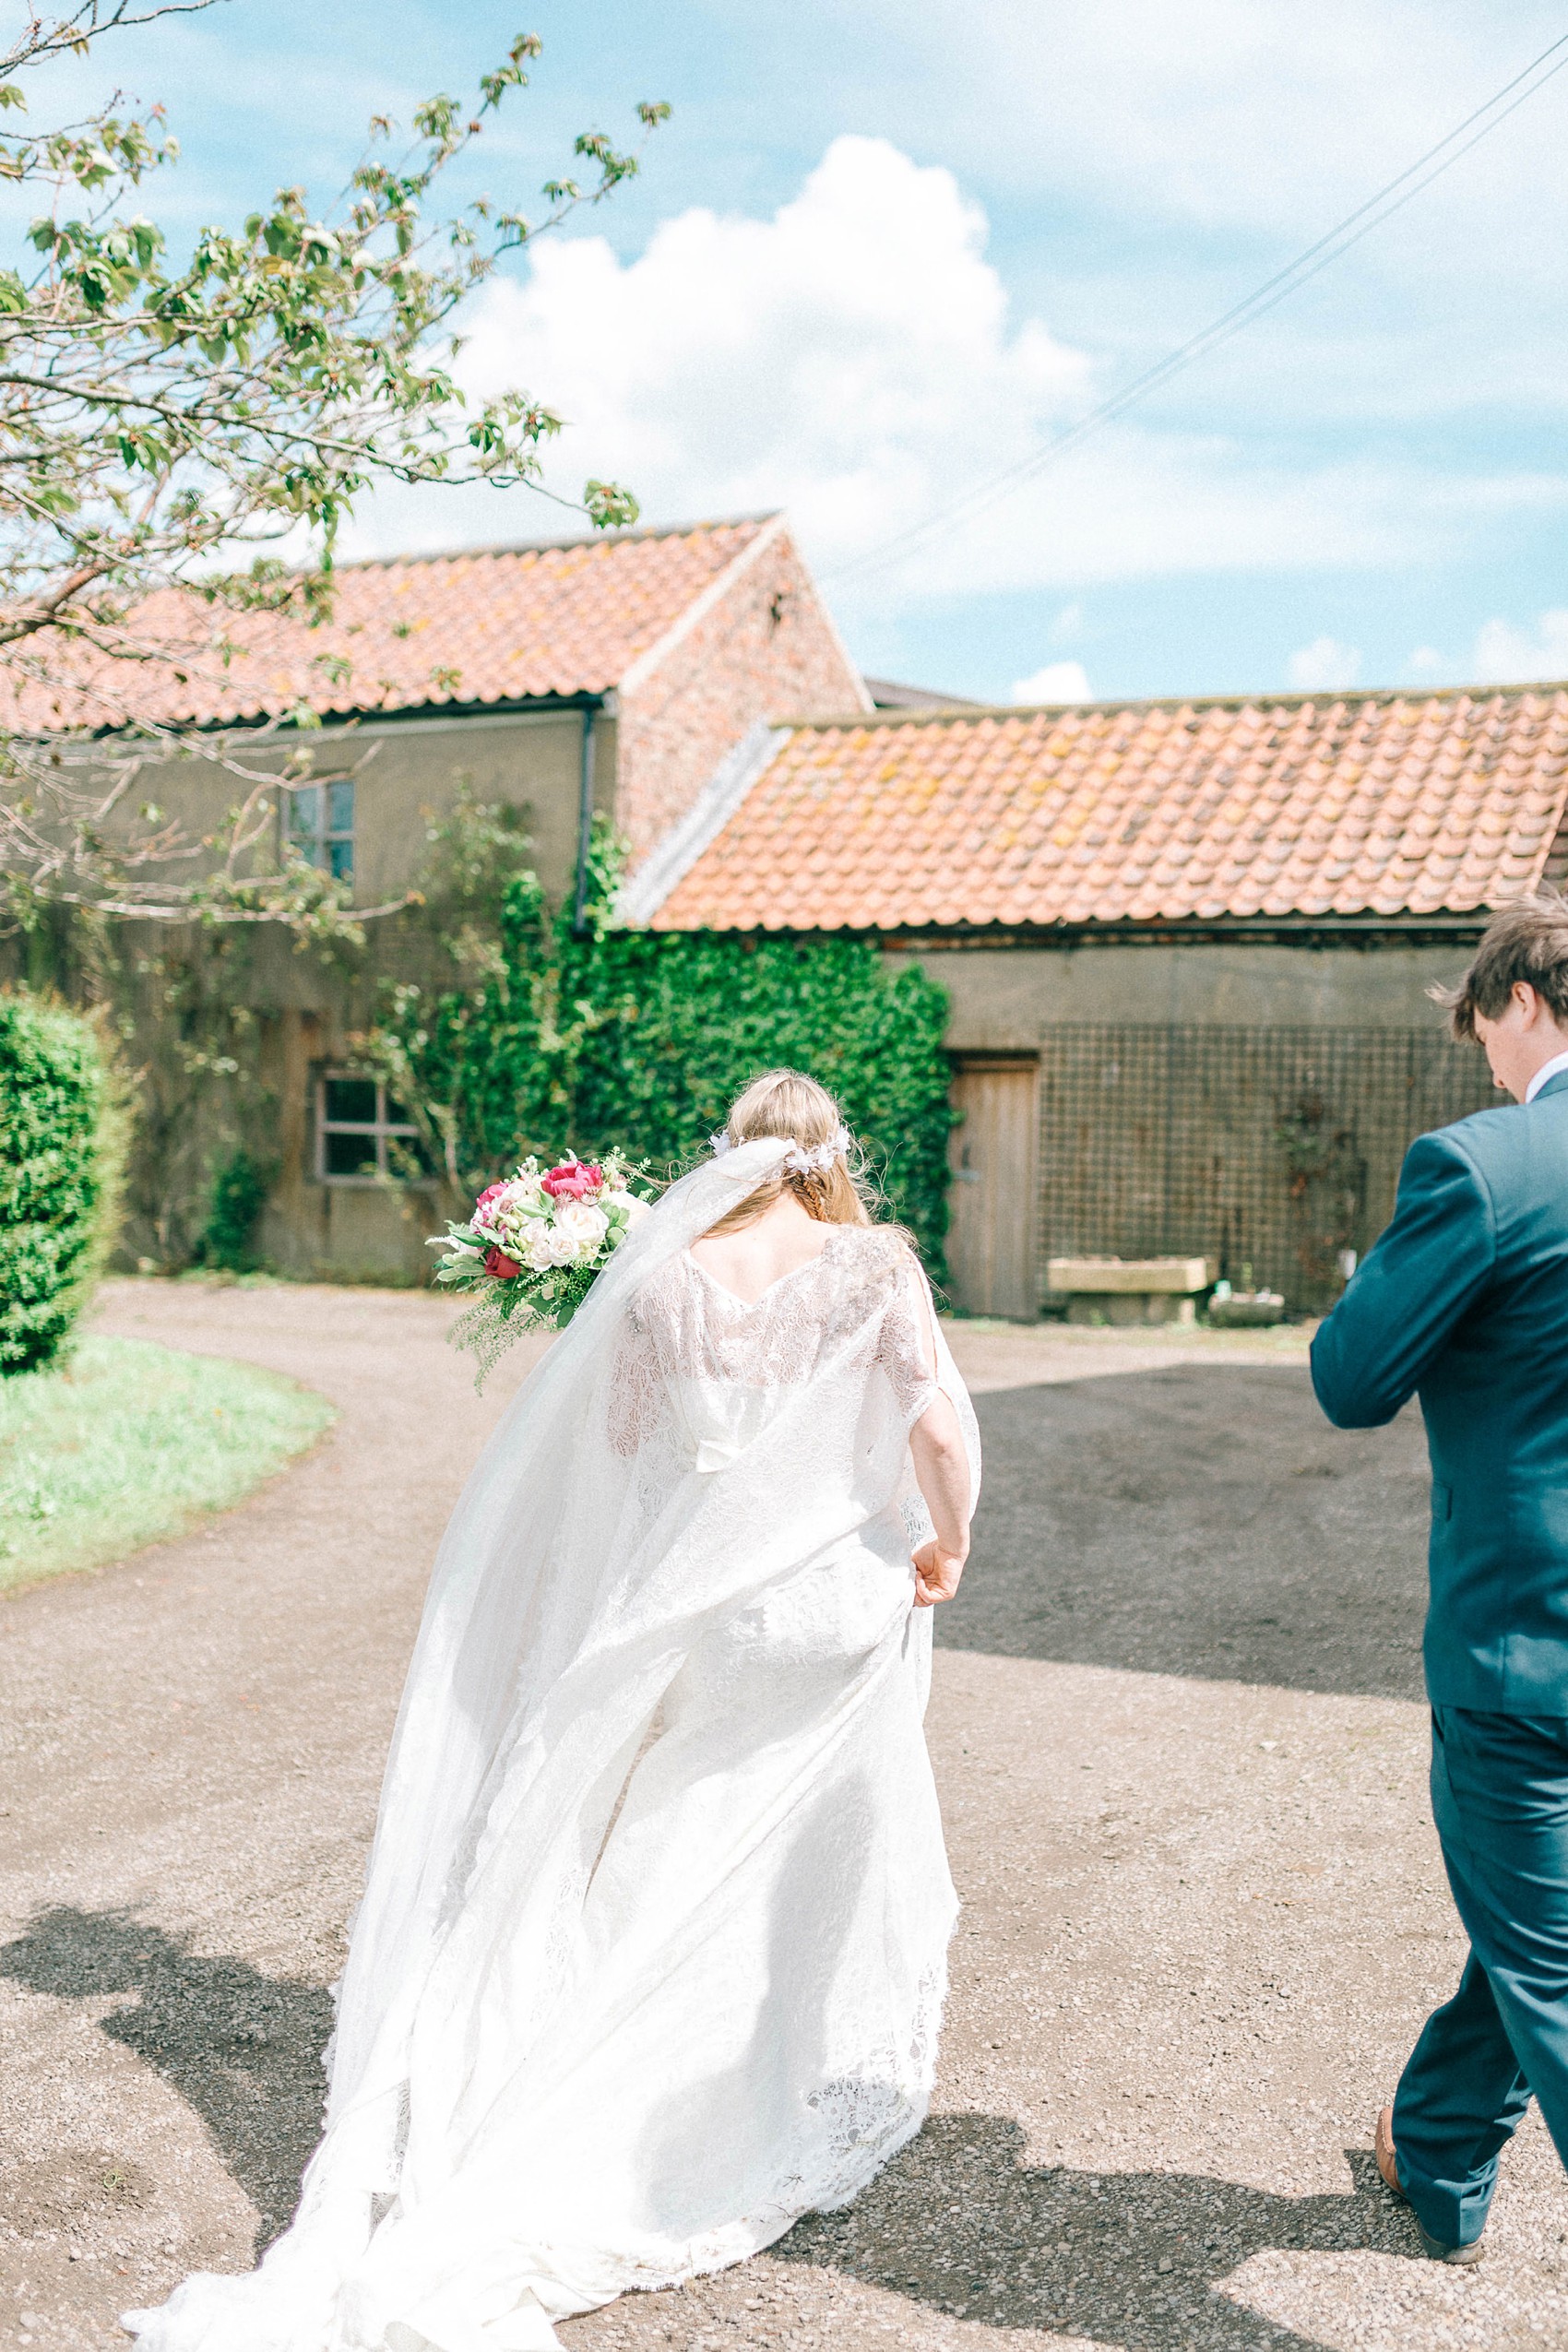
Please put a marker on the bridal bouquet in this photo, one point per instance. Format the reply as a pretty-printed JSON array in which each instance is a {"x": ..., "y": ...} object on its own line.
[{"x": 532, "y": 1245}]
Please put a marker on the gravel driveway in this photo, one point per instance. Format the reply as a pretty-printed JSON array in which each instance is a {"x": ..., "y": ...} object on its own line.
[{"x": 1177, "y": 1727}]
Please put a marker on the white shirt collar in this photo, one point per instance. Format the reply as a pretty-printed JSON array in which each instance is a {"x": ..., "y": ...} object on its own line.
[{"x": 1551, "y": 1069}]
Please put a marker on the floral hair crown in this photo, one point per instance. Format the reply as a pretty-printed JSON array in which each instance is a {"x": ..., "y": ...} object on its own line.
[{"x": 801, "y": 1160}]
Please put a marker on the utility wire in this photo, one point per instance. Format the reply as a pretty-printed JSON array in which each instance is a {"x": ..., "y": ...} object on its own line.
[{"x": 1328, "y": 248}]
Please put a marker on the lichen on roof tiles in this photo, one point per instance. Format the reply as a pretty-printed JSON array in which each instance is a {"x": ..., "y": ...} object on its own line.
[{"x": 1307, "y": 806}]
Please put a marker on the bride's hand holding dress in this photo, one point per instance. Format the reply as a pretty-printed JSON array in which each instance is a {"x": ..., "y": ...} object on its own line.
[{"x": 941, "y": 1457}]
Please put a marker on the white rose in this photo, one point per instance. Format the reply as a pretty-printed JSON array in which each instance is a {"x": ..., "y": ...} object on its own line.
[
  {"x": 536, "y": 1245},
  {"x": 630, "y": 1203},
  {"x": 583, "y": 1228}
]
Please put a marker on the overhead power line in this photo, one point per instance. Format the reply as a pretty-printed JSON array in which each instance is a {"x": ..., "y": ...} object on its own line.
[{"x": 1389, "y": 200}]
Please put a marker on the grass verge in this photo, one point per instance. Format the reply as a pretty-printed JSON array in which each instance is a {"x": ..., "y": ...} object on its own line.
[{"x": 129, "y": 1443}]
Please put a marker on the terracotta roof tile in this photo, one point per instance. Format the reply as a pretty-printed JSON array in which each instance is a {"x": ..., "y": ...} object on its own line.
[
  {"x": 1390, "y": 804},
  {"x": 491, "y": 626}
]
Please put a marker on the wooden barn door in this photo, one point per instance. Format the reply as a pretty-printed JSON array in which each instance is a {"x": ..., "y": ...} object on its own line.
[{"x": 990, "y": 1241}]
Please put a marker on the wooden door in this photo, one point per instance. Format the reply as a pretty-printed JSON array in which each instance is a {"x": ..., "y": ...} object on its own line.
[{"x": 990, "y": 1241}]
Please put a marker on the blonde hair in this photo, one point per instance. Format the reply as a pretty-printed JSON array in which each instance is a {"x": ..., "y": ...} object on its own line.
[{"x": 788, "y": 1103}]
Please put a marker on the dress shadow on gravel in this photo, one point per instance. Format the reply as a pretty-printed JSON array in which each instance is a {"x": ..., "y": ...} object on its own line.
[
  {"x": 1201, "y": 1521},
  {"x": 245, "y": 2050},
  {"x": 1137, "y": 2259}
]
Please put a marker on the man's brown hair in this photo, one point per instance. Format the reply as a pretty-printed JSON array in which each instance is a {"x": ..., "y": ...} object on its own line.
[{"x": 1528, "y": 940}]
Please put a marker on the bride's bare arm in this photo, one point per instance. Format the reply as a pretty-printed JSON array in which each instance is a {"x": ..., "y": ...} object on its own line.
[{"x": 941, "y": 1471}]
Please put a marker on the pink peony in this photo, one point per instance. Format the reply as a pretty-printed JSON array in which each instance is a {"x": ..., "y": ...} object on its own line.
[
  {"x": 573, "y": 1181},
  {"x": 504, "y": 1269},
  {"x": 490, "y": 1192}
]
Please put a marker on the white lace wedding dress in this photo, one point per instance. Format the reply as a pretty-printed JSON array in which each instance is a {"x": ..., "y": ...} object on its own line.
[{"x": 653, "y": 1946}]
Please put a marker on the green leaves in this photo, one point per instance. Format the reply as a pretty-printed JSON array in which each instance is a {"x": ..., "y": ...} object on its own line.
[
  {"x": 510, "y": 76},
  {"x": 610, "y": 504},
  {"x": 140, "y": 448},
  {"x": 59, "y": 1174}
]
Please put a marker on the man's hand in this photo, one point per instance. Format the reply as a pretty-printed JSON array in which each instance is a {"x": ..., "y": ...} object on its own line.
[{"x": 936, "y": 1573}]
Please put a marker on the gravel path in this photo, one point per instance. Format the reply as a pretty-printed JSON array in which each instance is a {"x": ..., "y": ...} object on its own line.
[{"x": 1177, "y": 1728}]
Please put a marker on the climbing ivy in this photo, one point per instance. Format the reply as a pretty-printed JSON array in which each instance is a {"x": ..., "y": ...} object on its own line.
[{"x": 642, "y": 1039}]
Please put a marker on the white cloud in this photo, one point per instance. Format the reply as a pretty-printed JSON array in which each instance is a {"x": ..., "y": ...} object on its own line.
[
  {"x": 853, "y": 358},
  {"x": 1506, "y": 656},
  {"x": 1324, "y": 664},
  {"x": 1426, "y": 661},
  {"x": 1058, "y": 682},
  {"x": 846, "y": 358}
]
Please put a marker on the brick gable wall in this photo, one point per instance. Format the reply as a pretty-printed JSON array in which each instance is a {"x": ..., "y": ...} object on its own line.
[{"x": 765, "y": 650}]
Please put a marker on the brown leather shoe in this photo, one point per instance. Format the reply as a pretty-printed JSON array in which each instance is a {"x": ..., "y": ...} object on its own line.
[{"x": 1388, "y": 2165}]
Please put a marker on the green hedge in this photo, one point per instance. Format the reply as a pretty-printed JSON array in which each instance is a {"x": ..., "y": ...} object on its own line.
[
  {"x": 643, "y": 1039},
  {"x": 62, "y": 1141}
]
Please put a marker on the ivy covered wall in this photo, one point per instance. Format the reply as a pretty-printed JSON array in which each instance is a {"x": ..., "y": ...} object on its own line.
[
  {"x": 498, "y": 1031},
  {"x": 643, "y": 1039}
]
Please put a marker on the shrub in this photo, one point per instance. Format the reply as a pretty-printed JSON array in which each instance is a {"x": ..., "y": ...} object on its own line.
[
  {"x": 62, "y": 1151},
  {"x": 237, "y": 1199}
]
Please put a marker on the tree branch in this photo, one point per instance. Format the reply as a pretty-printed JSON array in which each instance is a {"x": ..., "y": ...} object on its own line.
[{"x": 49, "y": 37}]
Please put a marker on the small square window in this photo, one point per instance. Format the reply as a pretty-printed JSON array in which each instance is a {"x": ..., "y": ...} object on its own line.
[
  {"x": 363, "y": 1136},
  {"x": 347, "y": 1154},
  {"x": 319, "y": 823},
  {"x": 352, "y": 1102}
]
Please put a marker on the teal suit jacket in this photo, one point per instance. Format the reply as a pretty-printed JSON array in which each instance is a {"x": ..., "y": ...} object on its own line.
[{"x": 1464, "y": 1302}]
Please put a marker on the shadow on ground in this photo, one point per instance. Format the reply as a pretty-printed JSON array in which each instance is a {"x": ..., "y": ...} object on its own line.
[
  {"x": 244, "y": 2049},
  {"x": 1205, "y": 1520},
  {"x": 1135, "y": 2259},
  {"x": 956, "y": 2222}
]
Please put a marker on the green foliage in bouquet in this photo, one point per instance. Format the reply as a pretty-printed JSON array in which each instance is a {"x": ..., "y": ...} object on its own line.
[
  {"x": 530, "y": 1250},
  {"x": 62, "y": 1148},
  {"x": 642, "y": 1039}
]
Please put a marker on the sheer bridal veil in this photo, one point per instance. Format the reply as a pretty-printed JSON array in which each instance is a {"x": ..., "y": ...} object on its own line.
[{"x": 574, "y": 1577}]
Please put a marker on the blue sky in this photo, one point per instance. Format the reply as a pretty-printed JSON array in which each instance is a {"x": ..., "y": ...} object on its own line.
[{"x": 881, "y": 250}]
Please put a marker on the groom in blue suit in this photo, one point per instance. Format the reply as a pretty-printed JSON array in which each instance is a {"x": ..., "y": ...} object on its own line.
[{"x": 1463, "y": 1303}]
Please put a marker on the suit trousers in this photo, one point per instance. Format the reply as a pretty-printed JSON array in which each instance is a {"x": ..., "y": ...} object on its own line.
[{"x": 1500, "y": 1798}]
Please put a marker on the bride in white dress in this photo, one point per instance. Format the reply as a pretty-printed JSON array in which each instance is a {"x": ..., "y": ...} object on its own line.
[{"x": 653, "y": 1948}]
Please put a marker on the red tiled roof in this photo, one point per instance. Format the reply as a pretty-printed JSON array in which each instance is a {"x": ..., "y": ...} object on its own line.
[
  {"x": 509, "y": 622},
  {"x": 1325, "y": 805}
]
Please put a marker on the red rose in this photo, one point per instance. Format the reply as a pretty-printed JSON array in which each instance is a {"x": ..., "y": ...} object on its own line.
[
  {"x": 573, "y": 1181},
  {"x": 496, "y": 1262}
]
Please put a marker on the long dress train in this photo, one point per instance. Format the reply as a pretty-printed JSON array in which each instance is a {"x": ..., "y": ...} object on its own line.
[{"x": 653, "y": 1954}]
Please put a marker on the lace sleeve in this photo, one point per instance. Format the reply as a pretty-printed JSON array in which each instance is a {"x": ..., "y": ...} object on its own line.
[
  {"x": 906, "y": 1345},
  {"x": 636, "y": 1388}
]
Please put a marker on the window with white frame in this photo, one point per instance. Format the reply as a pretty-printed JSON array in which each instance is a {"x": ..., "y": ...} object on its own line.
[
  {"x": 319, "y": 823},
  {"x": 362, "y": 1134}
]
